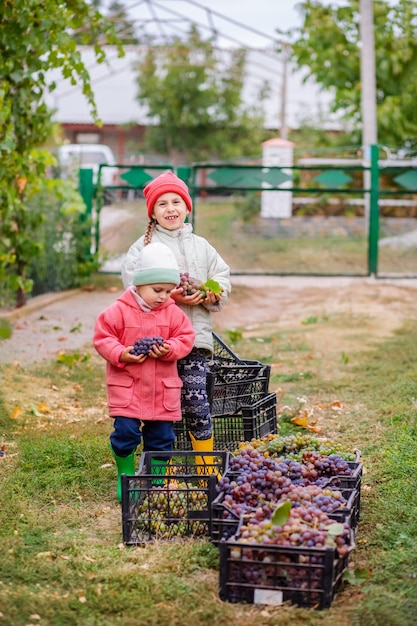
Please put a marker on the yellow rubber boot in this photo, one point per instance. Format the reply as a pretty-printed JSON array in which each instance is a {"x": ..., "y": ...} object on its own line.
[{"x": 204, "y": 445}]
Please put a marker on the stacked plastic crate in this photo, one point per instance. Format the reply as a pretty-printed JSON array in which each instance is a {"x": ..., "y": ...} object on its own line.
[
  {"x": 300, "y": 557},
  {"x": 178, "y": 503},
  {"x": 171, "y": 499},
  {"x": 242, "y": 408}
]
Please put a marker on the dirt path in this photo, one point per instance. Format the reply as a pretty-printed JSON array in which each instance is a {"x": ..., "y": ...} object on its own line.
[
  {"x": 356, "y": 311},
  {"x": 332, "y": 316}
]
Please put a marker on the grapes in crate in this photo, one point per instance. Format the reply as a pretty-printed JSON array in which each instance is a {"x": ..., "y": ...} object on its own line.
[
  {"x": 295, "y": 446},
  {"x": 144, "y": 345},
  {"x": 192, "y": 285}
]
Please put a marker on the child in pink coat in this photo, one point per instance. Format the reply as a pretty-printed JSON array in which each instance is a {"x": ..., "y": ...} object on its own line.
[{"x": 144, "y": 391}]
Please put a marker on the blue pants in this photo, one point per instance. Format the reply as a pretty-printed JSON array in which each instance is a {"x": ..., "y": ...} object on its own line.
[
  {"x": 195, "y": 406},
  {"x": 128, "y": 432}
]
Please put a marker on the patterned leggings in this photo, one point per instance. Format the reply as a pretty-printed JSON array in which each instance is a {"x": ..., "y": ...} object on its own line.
[{"x": 195, "y": 405}]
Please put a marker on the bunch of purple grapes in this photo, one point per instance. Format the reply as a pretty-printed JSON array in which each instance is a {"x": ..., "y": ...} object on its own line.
[
  {"x": 327, "y": 500},
  {"x": 190, "y": 285},
  {"x": 144, "y": 345},
  {"x": 255, "y": 484},
  {"x": 332, "y": 465},
  {"x": 249, "y": 459},
  {"x": 306, "y": 526}
]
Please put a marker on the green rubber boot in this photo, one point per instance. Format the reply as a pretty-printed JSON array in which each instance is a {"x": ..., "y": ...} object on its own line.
[
  {"x": 158, "y": 467},
  {"x": 125, "y": 465}
]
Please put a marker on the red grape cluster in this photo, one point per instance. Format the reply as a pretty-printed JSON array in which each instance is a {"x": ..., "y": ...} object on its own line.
[
  {"x": 327, "y": 500},
  {"x": 144, "y": 345},
  {"x": 190, "y": 285},
  {"x": 306, "y": 526},
  {"x": 332, "y": 465}
]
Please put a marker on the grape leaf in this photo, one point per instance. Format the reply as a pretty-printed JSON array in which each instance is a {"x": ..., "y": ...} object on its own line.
[
  {"x": 281, "y": 514},
  {"x": 335, "y": 529},
  {"x": 213, "y": 286}
]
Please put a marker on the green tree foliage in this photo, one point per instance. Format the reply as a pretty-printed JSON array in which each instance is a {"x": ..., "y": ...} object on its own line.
[
  {"x": 116, "y": 13},
  {"x": 194, "y": 98},
  {"x": 328, "y": 46},
  {"x": 35, "y": 36}
]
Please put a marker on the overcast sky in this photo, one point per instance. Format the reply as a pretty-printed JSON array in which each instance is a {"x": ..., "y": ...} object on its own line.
[{"x": 235, "y": 20}]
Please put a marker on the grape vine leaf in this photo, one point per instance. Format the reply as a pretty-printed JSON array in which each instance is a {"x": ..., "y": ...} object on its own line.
[
  {"x": 281, "y": 514},
  {"x": 335, "y": 529},
  {"x": 213, "y": 286}
]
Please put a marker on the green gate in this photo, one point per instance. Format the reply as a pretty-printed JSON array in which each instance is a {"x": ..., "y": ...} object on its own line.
[{"x": 345, "y": 243}]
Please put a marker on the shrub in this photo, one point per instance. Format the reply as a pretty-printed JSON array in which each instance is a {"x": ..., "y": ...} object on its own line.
[{"x": 65, "y": 258}]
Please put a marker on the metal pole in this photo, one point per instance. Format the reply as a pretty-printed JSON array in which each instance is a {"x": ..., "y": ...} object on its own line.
[
  {"x": 86, "y": 189},
  {"x": 373, "y": 213},
  {"x": 283, "y": 112},
  {"x": 368, "y": 92}
]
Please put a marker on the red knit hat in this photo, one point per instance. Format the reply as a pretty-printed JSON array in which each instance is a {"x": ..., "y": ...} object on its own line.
[{"x": 166, "y": 183}]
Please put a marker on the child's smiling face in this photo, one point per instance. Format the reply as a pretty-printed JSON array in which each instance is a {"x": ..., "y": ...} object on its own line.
[{"x": 170, "y": 211}]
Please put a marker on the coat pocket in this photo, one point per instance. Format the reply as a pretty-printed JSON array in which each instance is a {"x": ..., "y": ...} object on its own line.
[
  {"x": 119, "y": 390},
  {"x": 172, "y": 393}
]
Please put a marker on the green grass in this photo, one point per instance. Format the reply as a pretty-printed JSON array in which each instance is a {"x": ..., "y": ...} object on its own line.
[{"x": 60, "y": 526}]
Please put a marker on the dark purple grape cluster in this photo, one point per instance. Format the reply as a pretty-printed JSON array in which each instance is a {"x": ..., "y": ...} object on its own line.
[
  {"x": 255, "y": 484},
  {"x": 190, "y": 285},
  {"x": 332, "y": 465},
  {"x": 144, "y": 345}
]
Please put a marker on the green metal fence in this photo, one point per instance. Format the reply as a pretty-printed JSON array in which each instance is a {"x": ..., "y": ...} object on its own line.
[{"x": 267, "y": 244}]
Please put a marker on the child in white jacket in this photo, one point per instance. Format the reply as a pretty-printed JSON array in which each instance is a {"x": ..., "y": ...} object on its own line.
[{"x": 168, "y": 204}]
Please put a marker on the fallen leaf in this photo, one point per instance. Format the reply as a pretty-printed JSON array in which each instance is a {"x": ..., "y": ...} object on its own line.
[
  {"x": 42, "y": 555},
  {"x": 314, "y": 429},
  {"x": 16, "y": 412},
  {"x": 300, "y": 420},
  {"x": 43, "y": 408}
]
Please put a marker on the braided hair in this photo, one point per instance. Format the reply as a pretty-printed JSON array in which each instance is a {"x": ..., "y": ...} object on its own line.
[{"x": 149, "y": 230}]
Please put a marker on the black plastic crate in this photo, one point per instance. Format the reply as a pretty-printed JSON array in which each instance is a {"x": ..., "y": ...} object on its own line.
[
  {"x": 233, "y": 382},
  {"x": 174, "y": 504},
  {"x": 252, "y": 421},
  {"x": 231, "y": 387},
  {"x": 222, "y": 353},
  {"x": 183, "y": 462},
  {"x": 225, "y": 523},
  {"x": 266, "y": 574},
  {"x": 353, "y": 483}
]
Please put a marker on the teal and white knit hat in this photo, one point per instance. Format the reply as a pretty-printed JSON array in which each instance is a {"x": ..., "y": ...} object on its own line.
[{"x": 156, "y": 264}]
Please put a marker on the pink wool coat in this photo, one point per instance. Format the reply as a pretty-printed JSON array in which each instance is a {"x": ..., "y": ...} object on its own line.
[{"x": 150, "y": 390}]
